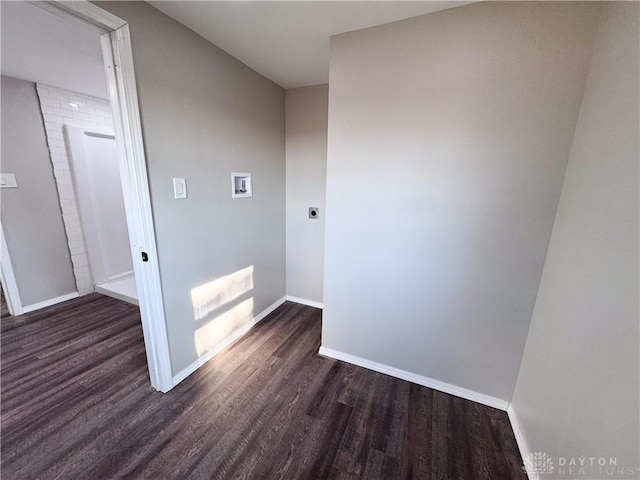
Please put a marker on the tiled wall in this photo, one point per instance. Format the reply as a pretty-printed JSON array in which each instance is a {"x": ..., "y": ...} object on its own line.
[{"x": 59, "y": 108}]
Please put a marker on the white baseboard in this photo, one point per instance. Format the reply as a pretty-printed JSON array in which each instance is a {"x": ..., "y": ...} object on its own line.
[
  {"x": 304, "y": 301},
  {"x": 48, "y": 303},
  {"x": 520, "y": 439},
  {"x": 180, "y": 376},
  {"x": 418, "y": 379}
]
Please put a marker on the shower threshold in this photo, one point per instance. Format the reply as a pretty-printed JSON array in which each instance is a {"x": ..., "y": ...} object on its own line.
[{"x": 122, "y": 289}]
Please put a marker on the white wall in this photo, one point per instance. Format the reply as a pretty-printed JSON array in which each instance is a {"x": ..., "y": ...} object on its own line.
[
  {"x": 205, "y": 115},
  {"x": 31, "y": 215},
  {"x": 578, "y": 389},
  {"x": 448, "y": 140},
  {"x": 306, "y": 139}
]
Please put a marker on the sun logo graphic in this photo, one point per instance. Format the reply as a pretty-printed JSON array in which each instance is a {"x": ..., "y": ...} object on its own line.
[{"x": 538, "y": 462}]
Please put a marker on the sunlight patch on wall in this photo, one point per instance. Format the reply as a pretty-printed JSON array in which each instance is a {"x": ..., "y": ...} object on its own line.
[
  {"x": 233, "y": 322},
  {"x": 210, "y": 296}
]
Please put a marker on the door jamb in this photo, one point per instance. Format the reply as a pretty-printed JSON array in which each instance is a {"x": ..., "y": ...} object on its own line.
[{"x": 8, "y": 279}]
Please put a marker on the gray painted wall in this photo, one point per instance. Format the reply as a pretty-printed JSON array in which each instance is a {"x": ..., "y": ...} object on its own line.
[
  {"x": 448, "y": 140},
  {"x": 31, "y": 215},
  {"x": 577, "y": 392},
  {"x": 205, "y": 115},
  {"x": 306, "y": 127}
]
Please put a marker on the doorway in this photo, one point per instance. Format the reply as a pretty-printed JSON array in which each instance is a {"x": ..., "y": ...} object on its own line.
[{"x": 116, "y": 49}]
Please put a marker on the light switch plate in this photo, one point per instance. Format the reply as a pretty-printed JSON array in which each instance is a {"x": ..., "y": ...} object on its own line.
[
  {"x": 179, "y": 188},
  {"x": 8, "y": 180}
]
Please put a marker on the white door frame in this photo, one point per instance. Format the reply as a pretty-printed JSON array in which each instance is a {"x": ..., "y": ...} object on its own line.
[
  {"x": 123, "y": 96},
  {"x": 8, "y": 279}
]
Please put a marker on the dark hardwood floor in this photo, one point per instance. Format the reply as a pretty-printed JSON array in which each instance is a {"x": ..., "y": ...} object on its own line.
[
  {"x": 77, "y": 404},
  {"x": 4, "y": 308}
]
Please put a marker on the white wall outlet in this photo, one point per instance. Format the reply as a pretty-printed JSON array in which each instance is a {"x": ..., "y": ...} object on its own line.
[
  {"x": 179, "y": 188},
  {"x": 8, "y": 180}
]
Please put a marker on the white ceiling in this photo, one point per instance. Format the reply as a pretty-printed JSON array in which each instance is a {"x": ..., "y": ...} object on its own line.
[
  {"x": 41, "y": 47},
  {"x": 288, "y": 41}
]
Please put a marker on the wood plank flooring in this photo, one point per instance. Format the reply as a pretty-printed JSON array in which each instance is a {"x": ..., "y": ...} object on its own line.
[
  {"x": 77, "y": 404},
  {"x": 4, "y": 308}
]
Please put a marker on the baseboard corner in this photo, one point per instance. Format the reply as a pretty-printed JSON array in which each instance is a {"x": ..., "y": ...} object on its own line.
[{"x": 304, "y": 301}]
